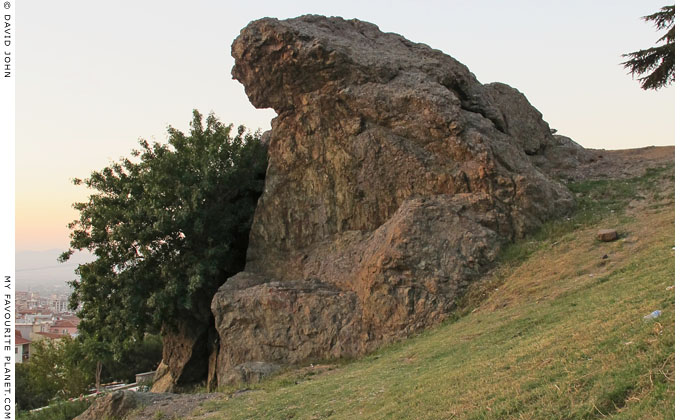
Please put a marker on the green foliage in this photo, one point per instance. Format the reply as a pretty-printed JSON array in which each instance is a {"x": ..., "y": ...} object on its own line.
[
  {"x": 139, "y": 356},
  {"x": 65, "y": 368},
  {"x": 61, "y": 410},
  {"x": 167, "y": 226},
  {"x": 659, "y": 61},
  {"x": 27, "y": 397},
  {"x": 56, "y": 369}
]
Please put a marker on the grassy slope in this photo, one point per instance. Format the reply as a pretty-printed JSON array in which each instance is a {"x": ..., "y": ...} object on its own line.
[{"x": 554, "y": 332}]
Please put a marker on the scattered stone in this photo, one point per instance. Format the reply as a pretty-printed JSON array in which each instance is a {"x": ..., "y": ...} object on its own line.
[
  {"x": 607, "y": 235},
  {"x": 670, "y": 287}
]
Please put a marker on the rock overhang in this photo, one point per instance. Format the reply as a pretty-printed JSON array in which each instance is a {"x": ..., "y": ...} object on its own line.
[{"x": 394, "y": 179}]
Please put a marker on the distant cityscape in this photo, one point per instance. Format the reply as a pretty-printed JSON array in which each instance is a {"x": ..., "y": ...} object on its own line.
[
  {"x": 42, "y": 299},
  {"x": 41, "y": 317}
]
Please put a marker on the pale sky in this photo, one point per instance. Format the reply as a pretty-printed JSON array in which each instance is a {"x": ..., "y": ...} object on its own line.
[{"x": 93, "y": 77}]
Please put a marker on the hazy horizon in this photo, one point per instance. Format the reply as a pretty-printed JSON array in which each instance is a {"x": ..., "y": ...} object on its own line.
[
  {"x": 40, "y": 270},
  {"x": 92, "y": 78}
]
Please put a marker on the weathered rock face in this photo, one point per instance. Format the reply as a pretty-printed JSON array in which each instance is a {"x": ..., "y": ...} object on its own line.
[
  {"x": 130, "y": 405},
  {"x": 114, "y": 405},
  {"x": 394, "y": 178}
]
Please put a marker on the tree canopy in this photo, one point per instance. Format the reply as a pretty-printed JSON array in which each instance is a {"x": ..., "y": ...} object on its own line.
[
  {"x": 55, "y": 369},
  {"x": 659, "y": 62},
  {"x": 167, "y": 227},
  {"x": 64, "y": 368}
]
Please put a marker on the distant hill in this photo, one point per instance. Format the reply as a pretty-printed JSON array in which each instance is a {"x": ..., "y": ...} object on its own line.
[{"x": 40, "y": 271}]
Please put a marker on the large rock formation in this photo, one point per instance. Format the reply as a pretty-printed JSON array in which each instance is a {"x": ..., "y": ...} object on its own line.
[{"x": 394, "y": 178}]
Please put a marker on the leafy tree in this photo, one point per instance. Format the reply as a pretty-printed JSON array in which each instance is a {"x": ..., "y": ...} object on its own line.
[
  {"x": 58, "y": 410},
  {"x": 139, "y": 356},
  {"x": 659, "y": 62},
  {"x": 64, "y": 368},
  {"x": 168, "y": 226},
  {"x": 23, "y": 391},
  {"x": 54, "y": 370}
]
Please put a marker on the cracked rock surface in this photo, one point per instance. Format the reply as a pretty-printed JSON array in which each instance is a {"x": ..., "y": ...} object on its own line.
[{"x": 394, "y": 178}]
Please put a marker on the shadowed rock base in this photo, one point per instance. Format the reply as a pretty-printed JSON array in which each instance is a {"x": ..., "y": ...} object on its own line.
[
  {"x": 394, "y": 178},
  {"x": 186, "y": 351}
]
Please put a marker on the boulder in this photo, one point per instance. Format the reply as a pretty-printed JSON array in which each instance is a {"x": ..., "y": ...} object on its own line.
[
  {"x": 607, "y": 235},
  {"x": 394, "y": 178},
  {"x": 115, "y": 405}
]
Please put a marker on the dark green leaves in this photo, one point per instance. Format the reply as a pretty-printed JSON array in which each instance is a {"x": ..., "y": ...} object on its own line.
[
  {"x": 167, "y": 225},
  {"x": 659, "y": 62}
]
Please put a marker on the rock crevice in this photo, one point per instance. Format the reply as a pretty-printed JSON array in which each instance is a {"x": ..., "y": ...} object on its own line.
[{"x": 394, "y": 178}]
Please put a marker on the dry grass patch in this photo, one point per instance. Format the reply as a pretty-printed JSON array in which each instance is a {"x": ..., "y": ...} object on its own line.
[{"x": 560, "y": 334}]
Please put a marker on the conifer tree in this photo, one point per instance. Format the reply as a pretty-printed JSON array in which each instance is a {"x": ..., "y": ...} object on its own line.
[{"x": 659, "y": 62}]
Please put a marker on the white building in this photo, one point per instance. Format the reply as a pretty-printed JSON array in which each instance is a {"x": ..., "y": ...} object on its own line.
[{"x": 22, "y": 348}]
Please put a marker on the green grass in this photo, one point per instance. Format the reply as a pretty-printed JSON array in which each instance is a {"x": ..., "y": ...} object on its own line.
[
  {"x": 63, "y": 410},
  {"x": 596, "y": 201},
  {"x": 560, "y": 336}
]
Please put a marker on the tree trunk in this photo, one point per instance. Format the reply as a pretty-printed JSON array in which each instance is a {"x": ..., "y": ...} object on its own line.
[
  {"x": 188, "y": 343},
  {"x": 99, "y": 369},
  {"x": 186, "y": 352}
]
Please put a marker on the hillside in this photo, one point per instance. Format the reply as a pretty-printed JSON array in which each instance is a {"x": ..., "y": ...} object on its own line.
[
  {"x": 555, "y": 330},
  {"x": 396, "y": 188},
  {"x": 395, "y": 178}
]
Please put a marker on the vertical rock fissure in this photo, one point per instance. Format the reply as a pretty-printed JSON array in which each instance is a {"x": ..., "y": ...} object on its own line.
[
  {"x": 471, "y": 102},
  {"x": 398, "y": 209}
]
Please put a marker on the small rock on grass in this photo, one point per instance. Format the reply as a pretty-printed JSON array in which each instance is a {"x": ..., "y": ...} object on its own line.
[{"x": 607, "y": 235}]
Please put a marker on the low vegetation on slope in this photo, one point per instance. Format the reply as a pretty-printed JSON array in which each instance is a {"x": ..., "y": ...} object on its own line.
[{"x": 555, "y": 331}]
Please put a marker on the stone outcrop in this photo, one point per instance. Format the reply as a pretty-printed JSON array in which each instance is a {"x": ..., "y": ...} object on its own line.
[
  {"x": 394, "y": 178},
  {"x": 130, "y": 405},
  {"x": 115, "y": 405}
]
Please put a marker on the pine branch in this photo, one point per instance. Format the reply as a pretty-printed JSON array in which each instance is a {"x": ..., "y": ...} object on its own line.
[
  {"x": 659, "y": 61},
  {"x": 663, "y": 18}
]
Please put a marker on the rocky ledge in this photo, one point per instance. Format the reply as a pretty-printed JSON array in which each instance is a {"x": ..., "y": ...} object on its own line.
[{"x": 394, "y": 179}]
